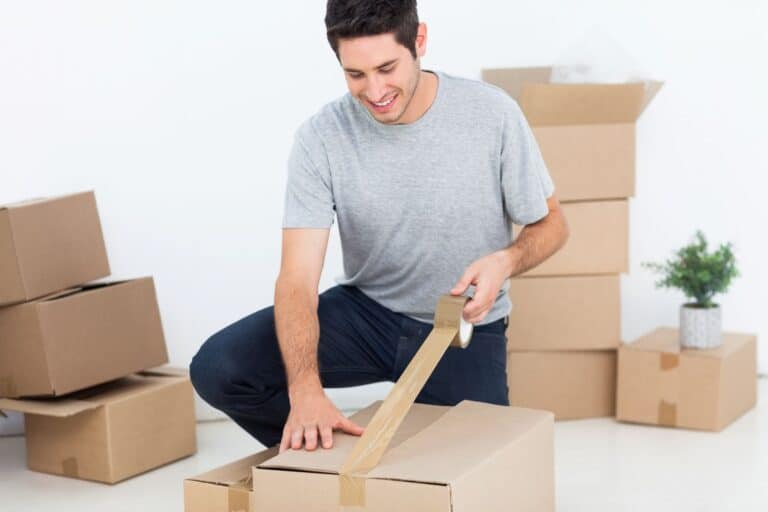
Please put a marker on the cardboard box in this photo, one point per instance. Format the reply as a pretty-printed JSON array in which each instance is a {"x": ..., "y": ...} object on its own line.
[
  {"x": 565, "y": 313},
  {"x": 586, "y": 132},
  {"x": 661, "y": 384},
  {"x": 47, "y": 245},
  {"x": 572, "y": 385},
  {"x": 79, "y": 338},
  {"x": 598, "y": 243},
  {"x": 470, "y": 457},
  {"x": 113, "y": 431},
  {"x": 228, "y": 488}
]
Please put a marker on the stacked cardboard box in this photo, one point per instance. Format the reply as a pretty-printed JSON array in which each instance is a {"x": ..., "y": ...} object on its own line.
[
  {"x": 63, "y": 335},
  {"x": 564, "y": 329}
]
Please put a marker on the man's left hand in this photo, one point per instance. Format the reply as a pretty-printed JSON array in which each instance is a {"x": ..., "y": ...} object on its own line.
[{"x": 488, "y": 275}]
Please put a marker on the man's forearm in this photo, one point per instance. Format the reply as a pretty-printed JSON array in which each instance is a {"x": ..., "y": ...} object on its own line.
[
  {"x": 535, "y": 243},
  {"x": 298, "y": 332}
]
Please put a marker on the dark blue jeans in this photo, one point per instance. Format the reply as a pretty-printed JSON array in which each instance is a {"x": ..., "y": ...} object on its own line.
[{"x": 239, "y": 369}]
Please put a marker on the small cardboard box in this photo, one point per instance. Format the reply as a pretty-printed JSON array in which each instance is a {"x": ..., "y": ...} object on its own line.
[
  {"x": 114, "y": 431},
  {"x": 79, "y": 338},
  {"x": 661, "y": 384},
  {"x": 586, "y": 131},
  {"x": 598, "y": 243},
  {"x": 565, "y": 313},
  {"x": 470, "y": 457},
  {"x": 47, "y": 245},
  {"x": 573, "y": 385},
  {"x": 225, "y": 489}
]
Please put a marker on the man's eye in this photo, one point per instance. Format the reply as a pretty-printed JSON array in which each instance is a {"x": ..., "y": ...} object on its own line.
[
  {"x": 387, "y": 70},
  {"x": 355, "y": 76}
]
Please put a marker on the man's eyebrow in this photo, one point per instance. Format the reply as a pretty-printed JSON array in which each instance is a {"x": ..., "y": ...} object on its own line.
[{"x": 352, "y": 70}]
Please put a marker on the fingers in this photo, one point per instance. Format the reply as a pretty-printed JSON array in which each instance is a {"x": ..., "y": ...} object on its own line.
[
  {"x": 310, "y": 437},
  {"x": 463, "y": 283},
  {"x": 350, "y": 427},
  {"x": 479, "y": 305},
  {"x": 297, "y": 437},
  {"x": 326, "y": 436},
  {"x": 285, "y": 442}
]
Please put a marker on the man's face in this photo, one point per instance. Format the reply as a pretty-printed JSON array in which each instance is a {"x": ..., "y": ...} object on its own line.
[{"x": 381, "y": 73}]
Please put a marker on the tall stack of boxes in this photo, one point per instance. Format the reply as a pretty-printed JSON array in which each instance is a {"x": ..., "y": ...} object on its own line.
[
  {"x": 80, "y": 358},
  {"x": 565, "y": 325}
]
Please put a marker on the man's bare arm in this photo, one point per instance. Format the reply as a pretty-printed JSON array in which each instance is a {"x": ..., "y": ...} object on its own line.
[
  {"x": 312, "y": 417},
  {"x": 538, "y": 241}
]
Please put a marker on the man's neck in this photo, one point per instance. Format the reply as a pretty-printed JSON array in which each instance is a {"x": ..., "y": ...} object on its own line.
[{"x": 423, "y": 97}]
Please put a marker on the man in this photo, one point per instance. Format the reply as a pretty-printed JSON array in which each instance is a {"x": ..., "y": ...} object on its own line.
[{"x": 425, "y": 173}]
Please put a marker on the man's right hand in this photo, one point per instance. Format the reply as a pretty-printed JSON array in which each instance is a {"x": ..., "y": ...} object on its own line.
[{"x": 313, "y": 416}]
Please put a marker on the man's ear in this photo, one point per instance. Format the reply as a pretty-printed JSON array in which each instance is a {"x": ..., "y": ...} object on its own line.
[{"x": 421, "y": 40}]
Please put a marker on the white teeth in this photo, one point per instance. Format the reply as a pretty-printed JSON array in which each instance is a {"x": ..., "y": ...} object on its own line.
[{"x": 390, "y": 100}]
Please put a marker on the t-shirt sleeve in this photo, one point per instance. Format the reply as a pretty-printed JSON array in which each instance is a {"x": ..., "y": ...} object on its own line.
[
  {"x": 308, "y": 193},
  {"x": 525, "y": 180}
]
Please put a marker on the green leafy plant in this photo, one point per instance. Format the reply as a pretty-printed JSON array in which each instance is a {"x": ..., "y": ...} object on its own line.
[{"x": 697, "y": 273}]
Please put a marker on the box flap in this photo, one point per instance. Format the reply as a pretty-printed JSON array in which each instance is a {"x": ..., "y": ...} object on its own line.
[
  {"x": 237, "y": 472},
  {"x": 35, "y": 200},
  {"x": 546, "y": 103},
  {"x": 512, "y": 79},
  {"x": 330, "y": 461},
  {"x": 48, "y": 407},
  {"x": 165, "y": 371},
  {"x": 430, "y": 446},
  {"x": 441, "y": 453},
  {"x": 566, "y": 104}
]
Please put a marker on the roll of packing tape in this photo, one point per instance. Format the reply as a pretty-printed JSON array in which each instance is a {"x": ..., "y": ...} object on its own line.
[{"x": 449, "y": 329}]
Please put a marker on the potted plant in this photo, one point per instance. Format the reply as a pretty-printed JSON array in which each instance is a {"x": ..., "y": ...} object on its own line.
[{"x": 699, "y": 275}]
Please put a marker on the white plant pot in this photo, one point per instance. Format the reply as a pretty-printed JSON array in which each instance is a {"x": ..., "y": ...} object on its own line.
[{"x": 700, "y": 327}]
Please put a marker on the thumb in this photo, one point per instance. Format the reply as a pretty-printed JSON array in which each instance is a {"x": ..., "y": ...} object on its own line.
[
  {"x": 350, "y": 427},
  {"x": 463, "y": 283}
]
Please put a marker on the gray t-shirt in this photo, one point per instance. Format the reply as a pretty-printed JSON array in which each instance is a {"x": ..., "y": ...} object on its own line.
[{"x": 417, "y": 203}]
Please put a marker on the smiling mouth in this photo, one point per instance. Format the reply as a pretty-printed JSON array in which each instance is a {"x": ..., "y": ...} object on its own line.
[{"x": 383, "y": 106}]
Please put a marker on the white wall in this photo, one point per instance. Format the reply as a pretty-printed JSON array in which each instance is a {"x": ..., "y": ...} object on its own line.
[{"x": 180, "y": 116}]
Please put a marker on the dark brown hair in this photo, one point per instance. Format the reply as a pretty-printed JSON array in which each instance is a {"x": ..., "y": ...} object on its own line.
[{"x": 355, "y": 18}]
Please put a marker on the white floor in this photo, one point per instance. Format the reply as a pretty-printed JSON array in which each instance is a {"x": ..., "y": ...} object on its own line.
[{"x": 601, "y": 465}]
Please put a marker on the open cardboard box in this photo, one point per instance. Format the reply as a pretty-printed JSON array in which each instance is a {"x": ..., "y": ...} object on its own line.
[
  {"x": 473, "y": 456},
  {"x": 47, "y": 245},
  {"x": 114, "y": 431},
  {"x": 586, "y": 131},
  {"x": 470, "y": 457},
  {"x": 79, "y": 338}
]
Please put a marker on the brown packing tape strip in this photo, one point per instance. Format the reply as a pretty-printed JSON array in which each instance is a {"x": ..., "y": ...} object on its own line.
[
  {"x": 238, "y": 499},
  {"x": 69, "y": 467},
  {"x": 668, "y": 360},
  {"x": 667, "y": 415},
  {"x": 449, "y": 329}
]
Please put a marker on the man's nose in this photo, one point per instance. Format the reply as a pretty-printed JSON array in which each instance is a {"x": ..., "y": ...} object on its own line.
[{"x": 376, "y": 89}]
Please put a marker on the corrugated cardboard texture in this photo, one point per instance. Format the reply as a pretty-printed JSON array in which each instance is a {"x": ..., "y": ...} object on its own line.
[
  {"x": 513, "y": 454},
  {"x": 565, "y": 313},
  {"x": 23, "y": 363},
  {"x": 589, "y": 162},
  {"x": 139, "y": 423},
  {"x": 586, "y": 132},
  {"x": 224, "y": 489},
  {"x": 661, "y": 384},
  {"x": 56, "y": 243},
  {"x": 11, "y": 283},
  {"x": 69, "y": 342},
  {"x": 598, "y": 243},
  {"x": 570, "y": 384}
]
